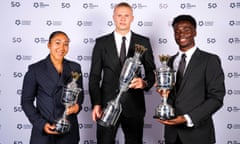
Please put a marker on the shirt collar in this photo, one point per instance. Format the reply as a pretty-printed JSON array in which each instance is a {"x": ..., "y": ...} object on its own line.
[
  {"x": 119, "y": 36},
  {"x": 189, "y": 52}
]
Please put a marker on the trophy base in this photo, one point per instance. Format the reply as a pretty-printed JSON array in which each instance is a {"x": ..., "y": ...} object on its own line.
[
  {"x": 62, "y": 126},
  {"x": 164, "y": 112},
  {"x": 164, "y": 117},
  {"x": 104, "y": 124},
  {"x": 110, "y": 115}
]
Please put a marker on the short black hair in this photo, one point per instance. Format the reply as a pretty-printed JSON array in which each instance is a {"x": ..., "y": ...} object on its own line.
[
  {"x": 188, "y": 18},
  {"x": 53, "y": 34}
]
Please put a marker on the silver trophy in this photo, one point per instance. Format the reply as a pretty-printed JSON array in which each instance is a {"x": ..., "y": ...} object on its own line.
[
  {"x": 130, "y": 69},
  {"x": 165, "y": 82},
  {"x": 69, "y": 97}
]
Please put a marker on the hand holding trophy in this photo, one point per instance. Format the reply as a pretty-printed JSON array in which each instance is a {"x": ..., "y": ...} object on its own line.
[
  {"x": 130, "y": 68},
  {"x": 69, "y": 97},
  {"x": 165, "y": 82}
]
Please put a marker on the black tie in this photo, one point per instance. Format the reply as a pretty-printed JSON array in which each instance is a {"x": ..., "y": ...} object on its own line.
[
  {"x": 123, "y": 51},
  {"x": 180, "y": 71}
]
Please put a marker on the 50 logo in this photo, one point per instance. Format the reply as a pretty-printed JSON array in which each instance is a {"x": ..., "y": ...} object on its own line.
[
  {"x": 65, "y": 5},
  {"x": 212, "y": 5},
  {"x": 17, "y": 74},
  {"x": 162, "y": 40},
  {"x": 16, "y": 40},
  {"x": 211, "y": 40},
  {"x": 15, "y": 4},
  {"x": 17, "y": 109}
]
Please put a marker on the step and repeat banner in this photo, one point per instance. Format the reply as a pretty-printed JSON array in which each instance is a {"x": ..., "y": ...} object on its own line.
[{"x": 26, "y": 25}]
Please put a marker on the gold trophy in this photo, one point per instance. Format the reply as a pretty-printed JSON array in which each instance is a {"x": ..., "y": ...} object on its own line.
[{"x": 165, "y": 82}]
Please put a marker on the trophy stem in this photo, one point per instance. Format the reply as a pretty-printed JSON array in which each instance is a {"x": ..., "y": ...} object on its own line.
[
  {"x": 64, "y": 113},
  {"x": 164, "y": 100},
  {"x": 164, "y": 95},
  {"x": 118, "y": 97}
]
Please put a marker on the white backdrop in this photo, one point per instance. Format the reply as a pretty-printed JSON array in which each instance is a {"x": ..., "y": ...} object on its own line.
[{"x": 26, "y": 25}]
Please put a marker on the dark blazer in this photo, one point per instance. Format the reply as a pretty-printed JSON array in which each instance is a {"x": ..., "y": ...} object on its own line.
[
  {"x": 43, "y": 84},
  {"x": 105, "y": 72},
  {"x": 200, "y": 95}
]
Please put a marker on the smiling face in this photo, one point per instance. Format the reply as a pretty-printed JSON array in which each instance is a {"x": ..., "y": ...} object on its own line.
[
  {"x": 58, "y": 46},
  {"x": 184, "y": 33},
  {"x": 123, "y": 17}
]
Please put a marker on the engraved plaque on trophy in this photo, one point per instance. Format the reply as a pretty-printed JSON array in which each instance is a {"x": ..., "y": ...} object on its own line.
[
  {"x": 165, "y": 82},
  {"x": 69, "y": 97},
  {"x": 130, "y": 69}
]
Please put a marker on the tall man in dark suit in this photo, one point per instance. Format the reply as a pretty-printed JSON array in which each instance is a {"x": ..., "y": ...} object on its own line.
[
  {"x": 104, "y": 79},
  {"x": 198, "y": 94}
]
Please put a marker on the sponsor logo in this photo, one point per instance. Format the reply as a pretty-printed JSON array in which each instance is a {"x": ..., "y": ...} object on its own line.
[
  {"x": 40, "y": 5},
  {"x": 19, "y": 22},
  {"x": 89, "y": 5},
  {"x": 187, "y": 6}
]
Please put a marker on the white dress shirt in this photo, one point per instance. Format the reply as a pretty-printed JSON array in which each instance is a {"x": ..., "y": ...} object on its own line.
[{"x": 118, "y": 41}]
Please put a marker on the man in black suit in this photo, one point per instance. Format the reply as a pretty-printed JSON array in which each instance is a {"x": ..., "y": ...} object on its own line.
[
  {"x": 198, "y": 94},
  {"x": 104, "y": 79}
]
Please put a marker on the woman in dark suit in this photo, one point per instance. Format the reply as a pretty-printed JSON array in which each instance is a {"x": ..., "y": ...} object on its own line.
[
  {"x": 42, "y": 90},
  {"x": 198, "y": 93}
]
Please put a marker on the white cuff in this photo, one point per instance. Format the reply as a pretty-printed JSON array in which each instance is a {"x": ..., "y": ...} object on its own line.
[{"x": 189, "y": 120}]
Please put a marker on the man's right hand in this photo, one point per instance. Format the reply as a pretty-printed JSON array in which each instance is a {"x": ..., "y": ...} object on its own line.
[{"x": 97, "y": 112}]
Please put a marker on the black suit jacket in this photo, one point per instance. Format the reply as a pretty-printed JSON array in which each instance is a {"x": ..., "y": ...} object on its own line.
[
  {"x": 43, "y": 84},
  {"x": 105, "y": 72},
  {"x": 200, "y": 95}
]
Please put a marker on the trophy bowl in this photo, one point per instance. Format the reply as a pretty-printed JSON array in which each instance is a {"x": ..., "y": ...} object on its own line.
[{"x": 70, "y": 95}]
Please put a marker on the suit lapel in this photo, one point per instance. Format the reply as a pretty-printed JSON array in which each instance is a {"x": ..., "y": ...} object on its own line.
[
  {"x": 55, "y": 81},
  {"x": 66, "y": 76},
  {"x": 48, "y": 76},
  {"x": 112, "y": 54},
  {"x": 170, "y": 62},
  {"x": 193, "y": 63},
  {"x": 131, "y": 48},
  {"x": 111, "y": 50},
  {"x": 51, "y": 72}
]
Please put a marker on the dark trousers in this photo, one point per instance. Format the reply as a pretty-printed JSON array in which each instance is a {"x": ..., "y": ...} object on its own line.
[
  {"x": 132, "y": 129},
  {"x": 178, "y": 141}
]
